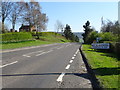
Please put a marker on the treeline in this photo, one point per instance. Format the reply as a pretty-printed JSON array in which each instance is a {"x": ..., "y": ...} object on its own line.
[
  {"x": 22, "y": 12},
  {"x": 109, "y": 32}
]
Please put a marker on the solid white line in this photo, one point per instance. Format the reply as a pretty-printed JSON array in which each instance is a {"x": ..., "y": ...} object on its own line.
[
  {"x": 71, "y": 61},
  {"x": 73, "y": 58},
  {"x": 8, "y": 64},
  {"x": 68, "y": 66},
  {"x": 60, "y": 77},
  {"x": 27, "y": 48}
]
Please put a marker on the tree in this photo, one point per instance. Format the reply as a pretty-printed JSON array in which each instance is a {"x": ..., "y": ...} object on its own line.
[
  {"x": 16, "y": 13},
  {"x": 6, "y": 10},
  {"x": 69, "y": 35},
  {"x": 5, "y": 28},
  {"x": 76, "y": 38},
  {"x": 67, "y": 31},
  {"x": 59, "y": 26},
  {"x": 87, "y": 30},
  {"x": 33, "y": 15}
]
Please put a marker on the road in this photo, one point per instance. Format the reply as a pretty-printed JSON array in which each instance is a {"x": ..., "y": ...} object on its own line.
[{"x": 47, "y": 66}]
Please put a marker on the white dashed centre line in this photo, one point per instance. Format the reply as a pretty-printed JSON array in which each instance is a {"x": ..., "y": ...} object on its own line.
[
  {"x": 8, "y": 64},
  {"x": 60, "y": 77},
  {"x": 74, "y": 55},
  {"x": 73, "y": 58},
  {"x": 71, "y": 61},
  {"x": 68, "y": 66}
]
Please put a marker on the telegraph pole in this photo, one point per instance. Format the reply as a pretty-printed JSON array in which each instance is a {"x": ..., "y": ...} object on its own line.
[{"x": 119, "y": 12}]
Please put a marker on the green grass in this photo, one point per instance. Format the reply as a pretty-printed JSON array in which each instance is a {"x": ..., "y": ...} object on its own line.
[
  {"x": 105, "y": 66},
  {"x": 45, "y": 39}
]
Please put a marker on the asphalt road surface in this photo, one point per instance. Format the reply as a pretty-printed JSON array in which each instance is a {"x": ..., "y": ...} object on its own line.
[{"x": 46, "y": 66}]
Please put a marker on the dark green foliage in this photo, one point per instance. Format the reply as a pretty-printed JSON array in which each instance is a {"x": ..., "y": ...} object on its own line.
[
  {"x": 87, "y": 31},
  {"x": 77, "y": 39},
  {"x": 16, "y": 36},
  {"x": 115, "y": 47},
  {"x": 69, "y": 35},
  {"x": 67, "y": 31},
  {"x": 92, "y": 37}
]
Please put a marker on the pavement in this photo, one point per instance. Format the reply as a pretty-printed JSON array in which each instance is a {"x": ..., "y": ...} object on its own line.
[{"x": 57, "y": 65}]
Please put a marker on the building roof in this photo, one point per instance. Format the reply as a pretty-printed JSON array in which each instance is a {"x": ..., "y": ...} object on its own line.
[{"x": 25, "y": 27}]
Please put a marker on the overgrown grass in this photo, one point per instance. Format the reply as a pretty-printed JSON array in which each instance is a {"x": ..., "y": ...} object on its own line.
[
  {"x": 105, "y": 65},
  {"x": 44, "y": 39}
]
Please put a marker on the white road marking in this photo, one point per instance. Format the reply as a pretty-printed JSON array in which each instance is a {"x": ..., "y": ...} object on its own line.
[
  {"x": 44, "y": 53},
  {"x": 8, "y": 64},
  {"x": 26, "y": 48},
  {"x": 60, "y": 77},
  {"x": 73, "y": 58},
  {"x": 68, "y": 66},
  {"x": 77, "y": 51},
  {"x": 34, "y": 52},
  {"x": 49, "y": 51},
  {"x": 26, "y": 56},
  {"x": 41, "y": 54},
  {"x": 71, "y": 61},
  {"x": 74, "y": 55},
  {"x": 60, "y": 47}
]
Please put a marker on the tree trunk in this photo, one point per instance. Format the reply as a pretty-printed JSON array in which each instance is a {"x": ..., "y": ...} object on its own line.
[{"x": 3, "y": 31}]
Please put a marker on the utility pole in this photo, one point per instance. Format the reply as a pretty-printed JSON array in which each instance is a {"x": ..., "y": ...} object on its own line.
[{"x": 119, "y": 12}]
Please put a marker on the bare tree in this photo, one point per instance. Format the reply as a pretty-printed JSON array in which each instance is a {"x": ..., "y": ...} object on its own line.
[
  {"x": 16, "y": 13},
  {"x": 32, "y": 9},
  {"x": 6, "y": 10},
  {"x": 59, "y": 26},
  {"x": 41, "y": 22},
  {"x": 33, "y": 15}
]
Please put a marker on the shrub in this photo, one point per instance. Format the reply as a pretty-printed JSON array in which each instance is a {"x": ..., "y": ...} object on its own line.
[
  {"x": 16, "y": 36},
  {"x": 91, "y": 37},
  {"x": 115, "y": 47}
]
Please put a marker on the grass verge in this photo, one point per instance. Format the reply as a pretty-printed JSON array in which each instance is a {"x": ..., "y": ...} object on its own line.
[
  {"x": 46, "y": 39},
  {"x": 105, "y": 66}
]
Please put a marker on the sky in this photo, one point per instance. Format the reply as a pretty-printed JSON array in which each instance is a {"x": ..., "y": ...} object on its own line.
[{"x": 76, "y": 14}]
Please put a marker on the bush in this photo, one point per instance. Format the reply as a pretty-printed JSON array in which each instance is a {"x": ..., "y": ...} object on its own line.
[
  {"x": 16, "y": 36},
  {"x": 91, "y": 37},
  {"x": 115, "y": 47},
  {"x": 107, "y": 36}
]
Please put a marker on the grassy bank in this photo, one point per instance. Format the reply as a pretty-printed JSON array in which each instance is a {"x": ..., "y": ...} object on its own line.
[
  {"x": 44, "y": 39},
  {"x": 105, "y": 65}
]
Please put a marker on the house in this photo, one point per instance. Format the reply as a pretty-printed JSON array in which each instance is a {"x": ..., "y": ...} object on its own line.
[{"x": 27, "y": 28}]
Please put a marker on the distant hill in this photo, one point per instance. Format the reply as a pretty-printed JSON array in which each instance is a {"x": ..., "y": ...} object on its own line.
[{"x": 79, "y": 34}]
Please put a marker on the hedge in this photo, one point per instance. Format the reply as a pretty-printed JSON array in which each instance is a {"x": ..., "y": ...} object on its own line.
[
  {"x": 115, "y": 47},
  {"x": 15, "y": 36}
]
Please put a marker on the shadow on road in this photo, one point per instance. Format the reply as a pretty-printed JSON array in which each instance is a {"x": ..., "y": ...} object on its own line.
[{"x": 83, "y": 75}]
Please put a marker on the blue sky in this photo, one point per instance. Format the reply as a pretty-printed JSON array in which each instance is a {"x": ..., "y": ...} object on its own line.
[{"x": 77, "y": 13}]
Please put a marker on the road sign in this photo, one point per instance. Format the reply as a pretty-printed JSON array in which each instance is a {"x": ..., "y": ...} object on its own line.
[{"x": 100, "y": 46}]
